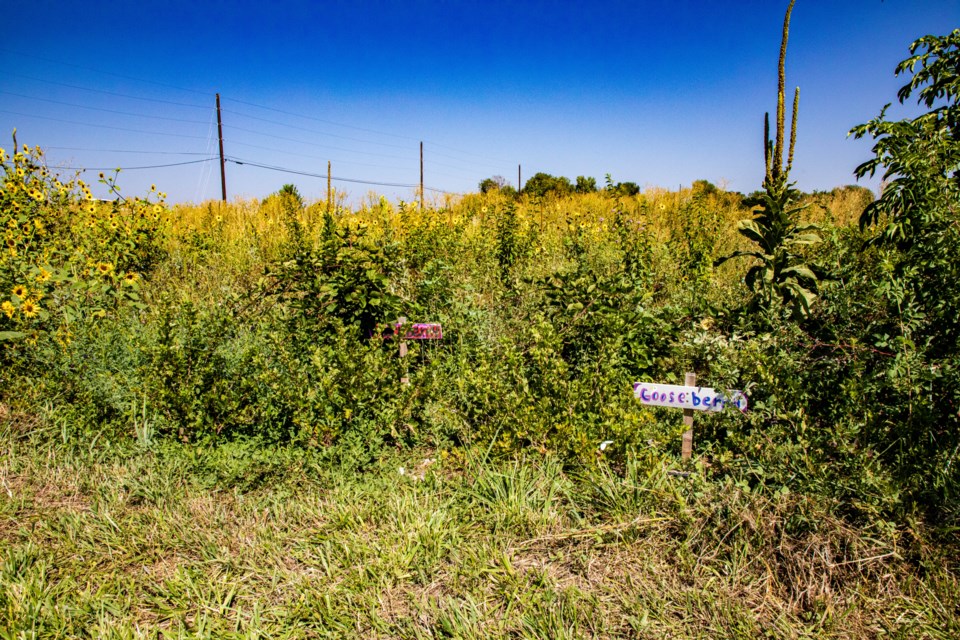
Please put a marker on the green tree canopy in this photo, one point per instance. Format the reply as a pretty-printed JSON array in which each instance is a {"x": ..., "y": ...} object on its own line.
[
  {"x": 543, "y": 183},
  {"x": 585, "y": 185},
  {"x": 496, "y": 183}
]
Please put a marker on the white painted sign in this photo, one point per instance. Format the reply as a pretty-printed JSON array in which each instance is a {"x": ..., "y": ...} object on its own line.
[{"x": 681, "y": 397}]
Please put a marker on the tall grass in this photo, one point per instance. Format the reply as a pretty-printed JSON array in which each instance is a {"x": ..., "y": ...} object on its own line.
[{"x": 148, "y": 540}]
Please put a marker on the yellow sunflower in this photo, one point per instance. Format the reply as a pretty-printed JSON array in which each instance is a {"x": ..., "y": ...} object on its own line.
[
  {"x": 20, "y": 291},
  {"x": 104, "y": 268},
  {"x": 8, "y": 308},
  {"x": 30, "y": 308}
]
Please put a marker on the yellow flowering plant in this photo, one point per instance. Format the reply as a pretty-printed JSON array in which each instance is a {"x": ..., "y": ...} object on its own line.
[{"x": 64, "y": 255}]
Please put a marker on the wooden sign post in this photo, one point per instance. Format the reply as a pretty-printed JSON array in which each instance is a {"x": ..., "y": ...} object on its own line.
[
  {"x": 416, "y": 331},
  {"x": 686, "y": 446},
  {"x": 403, "y": 347},
  {"x": 690, "y": 398}
]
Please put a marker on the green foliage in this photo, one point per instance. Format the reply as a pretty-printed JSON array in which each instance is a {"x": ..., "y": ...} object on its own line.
[
  {"x": 704, "y": 187},
  {"x": 585, "y": 185},
  {"x": 621, "y": 188},
  {"x": 694, "y": 239},
  {"x": 496, "y": 183},
  {"x": 915, "y": 273},
  {"x": 542, "y": 184},
  {"x": 290, "y": 192},
  {"x": 510, "y": 245},
  {"x": 600, "y": 315},
  {"x": 346, "y": 278},
  {"x": 783, "y": 275}
]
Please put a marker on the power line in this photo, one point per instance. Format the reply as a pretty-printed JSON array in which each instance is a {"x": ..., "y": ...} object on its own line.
[
  {"x": 103, "y": 126},
  {"x": 168, "y": 153},
  {"x": 109, "y": 73},
  {"x": 81, "y": 106},
  {"x": 322, "y": 133},
  {"x": 318, "y": 175},
  {"x": 468, "y": 171},
  {"x": 338, "y": 124},
  {"x": 108, "y": 93},
  {"x": 498, "y": 165},
  {"x": 313, "y": 157},
  {"x": 496, "y": 162},
  {"x": 206, "y": 171},
  {"x": 154, "y": 166},
  {"x": 269, "y": 135},
  {"x": 347, "y": 126}
]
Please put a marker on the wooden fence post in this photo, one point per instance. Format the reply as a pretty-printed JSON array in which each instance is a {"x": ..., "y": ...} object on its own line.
[
  {"x": 686, "y": 450},
  {"x": 402, "y": 320}
]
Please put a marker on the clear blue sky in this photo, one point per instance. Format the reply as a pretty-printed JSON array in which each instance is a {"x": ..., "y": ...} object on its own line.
[{"x": 659, "y": 93}]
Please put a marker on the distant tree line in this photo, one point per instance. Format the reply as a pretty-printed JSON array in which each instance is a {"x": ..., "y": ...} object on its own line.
[{"x": 543, "y": 184}]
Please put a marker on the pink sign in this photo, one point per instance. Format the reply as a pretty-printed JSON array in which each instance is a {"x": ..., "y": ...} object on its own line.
[{"x": 421, "y": 331}]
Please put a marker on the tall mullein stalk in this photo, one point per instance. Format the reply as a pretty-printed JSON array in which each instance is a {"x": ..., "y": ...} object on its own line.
[
  {"x": 774, "y": 152},
  {"x": 781, "y": 275}
]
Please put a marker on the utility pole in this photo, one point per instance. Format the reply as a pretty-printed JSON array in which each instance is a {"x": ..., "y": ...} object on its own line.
[
  {"x": 421, "y": 175},
  {"x": 223, "y": 173},
  {"x": 519, "y": 182},
  {"x": 329, "y": 192}
]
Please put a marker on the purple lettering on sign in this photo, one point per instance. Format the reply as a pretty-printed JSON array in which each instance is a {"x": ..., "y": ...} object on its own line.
[{"x": 683, "y": 397}]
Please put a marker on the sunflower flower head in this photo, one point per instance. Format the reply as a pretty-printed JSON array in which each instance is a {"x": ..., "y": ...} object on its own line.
[
  {"x": 7, "y": 308},
  {"x": 104, "y": 268},
  {"x": 20, "y": 291},
  {"x": 30, "y": 308}
]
